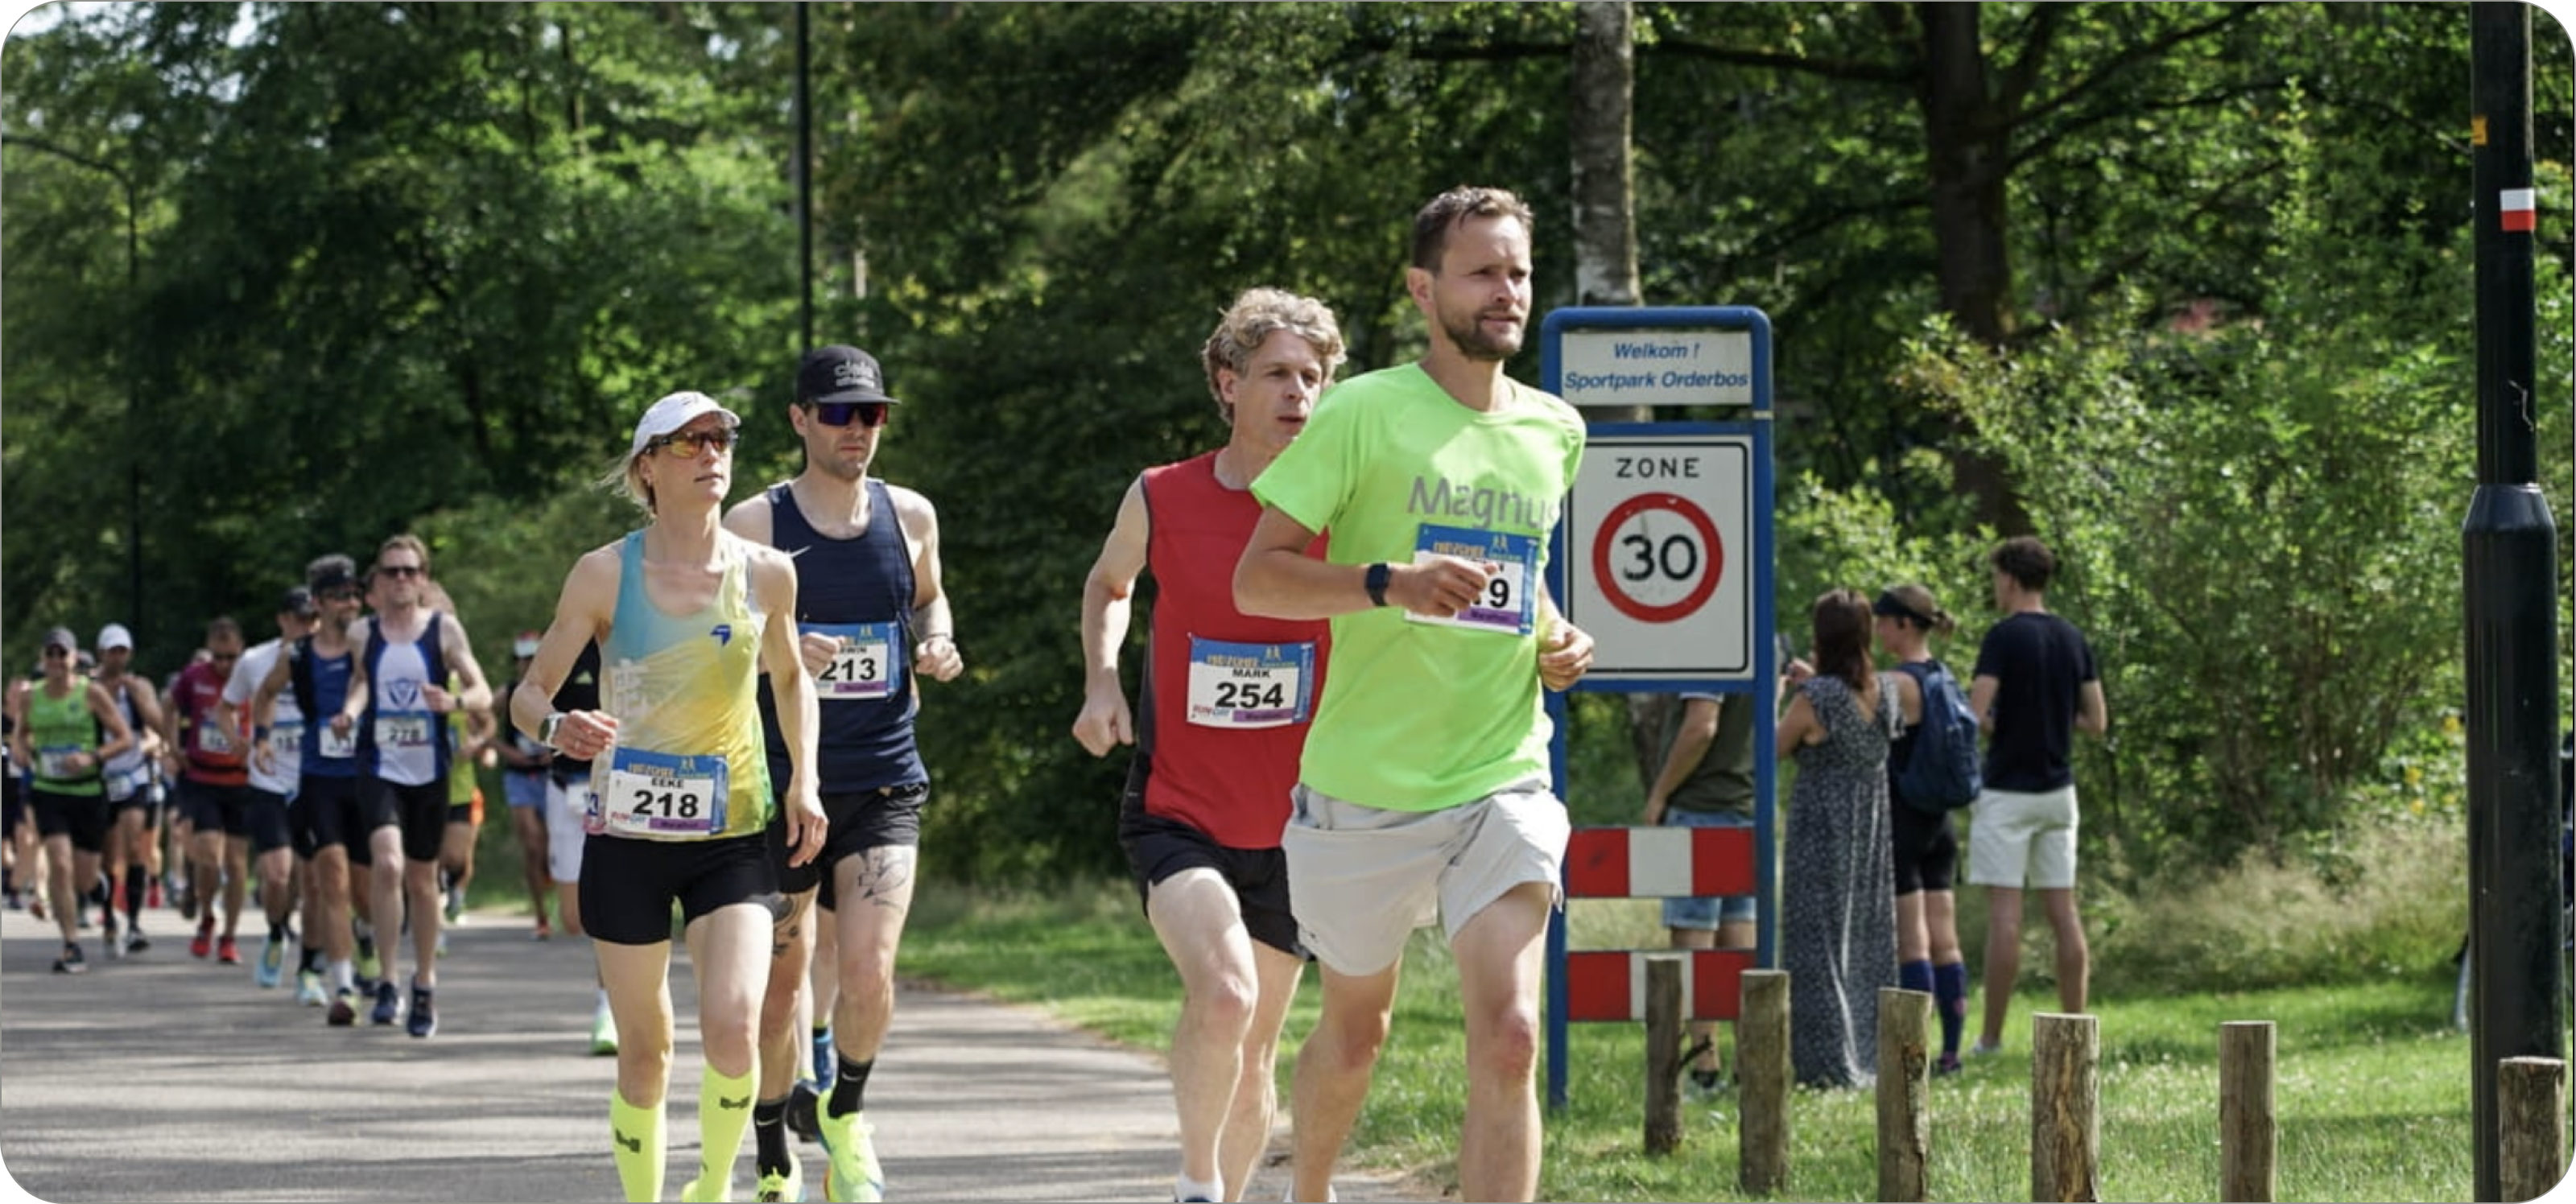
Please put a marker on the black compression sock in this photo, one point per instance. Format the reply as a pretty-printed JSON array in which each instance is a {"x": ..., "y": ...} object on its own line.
[
  {"x": 769, "y": 1136},
  {"x": 135, "y": 878},
  {"x": 850, "y": 1090}
]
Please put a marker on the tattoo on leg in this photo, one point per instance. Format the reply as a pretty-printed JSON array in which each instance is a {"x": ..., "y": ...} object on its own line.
[{"x": 884, "y": 873}]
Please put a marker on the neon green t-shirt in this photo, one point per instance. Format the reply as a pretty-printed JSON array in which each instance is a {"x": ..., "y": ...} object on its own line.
[{"x": 1420, "y": 716}]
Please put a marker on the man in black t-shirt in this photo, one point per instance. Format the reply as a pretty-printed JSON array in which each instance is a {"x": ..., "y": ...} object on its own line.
[{"x": 2035, "y": 686}]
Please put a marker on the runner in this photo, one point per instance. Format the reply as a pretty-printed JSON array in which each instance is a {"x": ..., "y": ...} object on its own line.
[
  {"x": 325, "y": 814},
  {"x": 524, "y": 765},
  {"x": 866, "y": 558},
  {"x": 66, "y": 727},
  {"x": 280, "y": 858},
  {"x": 135, "y": 797},
  {"x": 397, "y": 693},
  {"x": 214, "y": 783},
  {"x": 1226, "y": 703},
  {"x": 688, "y": 615}
]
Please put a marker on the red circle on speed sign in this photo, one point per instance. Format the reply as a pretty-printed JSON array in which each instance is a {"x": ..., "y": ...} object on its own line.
[{"x": 1668, "y": 557}]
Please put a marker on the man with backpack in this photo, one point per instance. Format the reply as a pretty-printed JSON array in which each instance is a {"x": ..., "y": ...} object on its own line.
[
  {"x": 1931, "y": 770},
  {"x": 2035, "y": 685}
]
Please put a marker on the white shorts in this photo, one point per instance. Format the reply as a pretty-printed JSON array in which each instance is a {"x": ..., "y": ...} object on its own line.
[
  {"x": 1361, "y": 879},
  {"x": 566, "y": 809},
  {"x": 2023, "y": 840}
]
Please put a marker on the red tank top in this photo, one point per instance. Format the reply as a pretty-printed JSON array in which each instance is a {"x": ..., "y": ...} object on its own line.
[
  {"x": 1228, "y": 771},
  {"x": 215, "y": 756}
]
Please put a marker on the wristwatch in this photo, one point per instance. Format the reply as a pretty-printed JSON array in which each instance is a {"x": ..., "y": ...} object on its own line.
[
  {"x": 1375, "y": 583},
  {"x": 546, "y": 730}
]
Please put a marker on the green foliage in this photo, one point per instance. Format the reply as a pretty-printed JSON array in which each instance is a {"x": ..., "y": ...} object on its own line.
[{"x": 2258, "y": 522}]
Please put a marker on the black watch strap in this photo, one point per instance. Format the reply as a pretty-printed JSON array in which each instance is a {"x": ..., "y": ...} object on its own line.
[{"x": 1375, "y": 582}]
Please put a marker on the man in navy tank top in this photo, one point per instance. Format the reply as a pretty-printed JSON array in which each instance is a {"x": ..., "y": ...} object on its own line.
[{"x": 872, "y": 619}]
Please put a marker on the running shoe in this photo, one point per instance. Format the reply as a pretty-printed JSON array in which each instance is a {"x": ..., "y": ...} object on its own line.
[
  {"x": 308, "y": 989},
  {"x": 272, "y": 963},
  {"x": 36, "y": 904},
  {"x": 543, "y": 931},
  {"x": 185, "y": 902},
  {"x": 120, "y": 943},
  {"x": 855, "y": 1175},
  {"x": 344, "y": 1008},
  {"x": 71, "y": 961},
  {"x": 152, "y": 895},
  {"x": 388, "y": 1003},
  {"x": 692, "y": 1193},
  {"x": 135, "y": 941},
  {"x": 787, "y": 1186},
  {"x": 455, "y": 906},
  {"x": 441, "y": 950},
  {"x": 1947, "y": 1065},
  {"x": 205, "y": 939},
  {"x": 424, "y": 1013},
  {"x": 369, "y": 965},
  {"x": 804, "y": 1102},
  {"x": 603, "y": 1032}
]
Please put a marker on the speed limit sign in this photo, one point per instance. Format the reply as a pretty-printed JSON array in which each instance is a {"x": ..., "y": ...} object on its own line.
[{"x": 1660, "y": 555}]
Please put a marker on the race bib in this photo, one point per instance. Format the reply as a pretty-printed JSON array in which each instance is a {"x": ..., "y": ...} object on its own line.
[
  {"x": 286, "y": 738},
  {"x": 404, "y": 729},
  {"x": 658, "y": 794},
  {"x": 213, "y": 739},
  {"x": 55, "y": 763},
  {"x": 125, "y": 783},
  {"x": 335, "y": 746},
  {"x": 1250, "y": 685},
  {"x": 1511, "y": 576},
  {"x": 867, "y": 664}
]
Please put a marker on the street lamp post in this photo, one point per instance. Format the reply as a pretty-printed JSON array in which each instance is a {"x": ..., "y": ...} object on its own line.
[{"x": 133, "y": 388}]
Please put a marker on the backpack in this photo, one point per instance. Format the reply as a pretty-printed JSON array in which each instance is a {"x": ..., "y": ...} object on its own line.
[{"x": 1942, "y": 774}]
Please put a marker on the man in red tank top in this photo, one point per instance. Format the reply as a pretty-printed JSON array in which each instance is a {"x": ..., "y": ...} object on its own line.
[{"x": 1225, "y": 704}]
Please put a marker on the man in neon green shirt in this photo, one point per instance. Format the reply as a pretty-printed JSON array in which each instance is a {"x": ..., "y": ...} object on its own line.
[{"x": 1425, "y": 777}]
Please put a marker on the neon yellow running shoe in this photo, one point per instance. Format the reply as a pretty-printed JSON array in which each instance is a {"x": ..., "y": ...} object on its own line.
[
  {"x": 691, "y": 1193},
  {"x": 603, "y": 1032},
  {"x": 787, "y": 1188},
  {"x": 855, "y": 1177}
]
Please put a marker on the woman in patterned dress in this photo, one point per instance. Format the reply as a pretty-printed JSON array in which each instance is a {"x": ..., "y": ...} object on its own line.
[{"x": 1837, "y": 902}]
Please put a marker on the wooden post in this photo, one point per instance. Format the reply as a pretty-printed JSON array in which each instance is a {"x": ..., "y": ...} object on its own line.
[
  {"x": 1904, "y": 1115},
  {"x": 2247, "y": 1129},
  {"x": 1762, "y": 1067},
  {"x": 2529, "y": 1157},
  {"x": 2065, "y": 1127},
  {"x": 1665, "y": 1039}
]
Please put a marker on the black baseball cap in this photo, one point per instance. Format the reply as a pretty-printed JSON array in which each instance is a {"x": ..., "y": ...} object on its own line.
[
  {"x": 297, "y": 601},
  {"x": 61, "y": 637},
  {"x": 839, "y": 373}
]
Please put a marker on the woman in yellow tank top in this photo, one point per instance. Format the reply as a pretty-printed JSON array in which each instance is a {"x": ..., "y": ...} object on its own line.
[{"x": 687, "y": 616}]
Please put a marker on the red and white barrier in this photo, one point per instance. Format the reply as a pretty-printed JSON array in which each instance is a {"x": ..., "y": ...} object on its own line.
[
  {"x": 1610, "y": 984},
  {"x": 1628, "y": 863}
]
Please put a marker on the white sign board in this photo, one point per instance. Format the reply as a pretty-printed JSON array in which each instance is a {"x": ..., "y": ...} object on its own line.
[
  {"x": 1659, "y": 366},
  {"x": 1659, "y": 565}
]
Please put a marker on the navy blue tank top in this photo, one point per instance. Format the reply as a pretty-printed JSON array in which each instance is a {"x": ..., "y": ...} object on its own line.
[{"x": 861, "y": 590}]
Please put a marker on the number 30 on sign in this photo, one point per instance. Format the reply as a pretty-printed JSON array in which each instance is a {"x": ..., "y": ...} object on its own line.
[{"x": 1657, "y": 557}]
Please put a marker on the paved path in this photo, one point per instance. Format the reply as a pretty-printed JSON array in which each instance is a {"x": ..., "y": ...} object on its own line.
[{"x": 164, "y": 1078}]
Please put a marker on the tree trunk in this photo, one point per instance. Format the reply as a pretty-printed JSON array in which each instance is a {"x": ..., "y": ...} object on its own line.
[
  {"x": 1605, "y": 242},
  {"x": 1965, "y": 137}
]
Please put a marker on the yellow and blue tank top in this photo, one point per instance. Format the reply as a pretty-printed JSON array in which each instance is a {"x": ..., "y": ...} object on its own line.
[{"x": 688, "y": 764}]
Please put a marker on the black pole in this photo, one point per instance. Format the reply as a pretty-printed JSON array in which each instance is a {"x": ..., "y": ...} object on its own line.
[
  {"x": 804, "y": 178},
  {"x": 2511, "y": 571}
]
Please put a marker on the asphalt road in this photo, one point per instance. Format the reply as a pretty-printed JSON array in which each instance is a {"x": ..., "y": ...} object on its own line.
[{"x": 165, "y": 1078}]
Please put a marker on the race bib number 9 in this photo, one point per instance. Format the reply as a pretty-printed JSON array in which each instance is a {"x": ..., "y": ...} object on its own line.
[
  {"x": 404, "y": 729},
  {"x": 1507, "y": 605},
  {"x": 658, "y": 794},
  {"x": 1250, "y": 685},
  {"x": 865, "y": 666}
]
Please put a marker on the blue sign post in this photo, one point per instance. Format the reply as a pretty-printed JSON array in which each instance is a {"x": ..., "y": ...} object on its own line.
[{"x": 1664, "y": 555}]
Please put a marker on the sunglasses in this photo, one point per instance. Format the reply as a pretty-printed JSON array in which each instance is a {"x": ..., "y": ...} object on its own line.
[
  {"x": 839, "y": 413},
  {"x": 399, "y": 570},
  {"x": 343, "y": 594},
  {"x": 51, "y": 653},
  {"x": 689, "y": 445}
]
